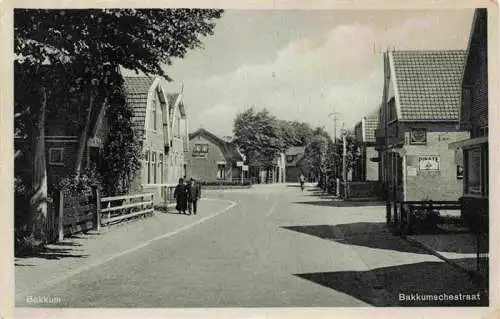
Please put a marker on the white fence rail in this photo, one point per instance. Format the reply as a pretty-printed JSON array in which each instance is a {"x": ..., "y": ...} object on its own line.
[{"x": 115, "y": 209}]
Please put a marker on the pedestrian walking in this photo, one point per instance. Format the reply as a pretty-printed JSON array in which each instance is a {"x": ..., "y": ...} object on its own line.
[
  {"x": 180, "y": 195},
  {"x": 194, "y": 194},
  {"x": 302, "y": 180}
]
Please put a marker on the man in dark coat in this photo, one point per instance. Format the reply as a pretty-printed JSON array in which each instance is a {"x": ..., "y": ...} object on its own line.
[
  {"x": 180, "y": 195},
  {"x": 194, "y": 194}
]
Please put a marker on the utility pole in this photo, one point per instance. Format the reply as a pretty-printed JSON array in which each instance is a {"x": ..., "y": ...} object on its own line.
[
  {"x": 385, "y": 158},
  {"x": 344, "y": 163},
  {"x": 335, "y": 118}
]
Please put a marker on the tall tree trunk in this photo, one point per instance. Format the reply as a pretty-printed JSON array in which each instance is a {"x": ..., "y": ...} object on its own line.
[
  {"x": 84, "y": 137},
  {"x": 38, "y": 198}
]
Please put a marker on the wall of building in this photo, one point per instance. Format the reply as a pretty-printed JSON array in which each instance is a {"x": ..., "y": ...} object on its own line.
[
  {"x": 56, "y": 172},
  {"x": 371, "y": 167},
  {"x": 154, "y": 142},
  {"x": 441, "y": 184},
  {"x": 477, "y": 78},
  {"x": 205, "y": 168}
]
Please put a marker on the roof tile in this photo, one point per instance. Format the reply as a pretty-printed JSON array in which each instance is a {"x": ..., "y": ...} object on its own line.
[
  {"x": 137, "y": 89},
  {"x": 429, "y": 84}
]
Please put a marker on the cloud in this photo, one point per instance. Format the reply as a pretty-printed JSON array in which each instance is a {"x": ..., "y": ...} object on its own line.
[
  {"x": 218, "y": 119},
  {"x": 336, "y": 70}
]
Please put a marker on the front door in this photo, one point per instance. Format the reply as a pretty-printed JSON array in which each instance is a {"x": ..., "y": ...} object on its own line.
[{"x": 396, "y": 178}]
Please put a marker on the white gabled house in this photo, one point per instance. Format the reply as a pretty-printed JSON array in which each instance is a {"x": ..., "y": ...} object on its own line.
[{"x": 161, "y": 121}]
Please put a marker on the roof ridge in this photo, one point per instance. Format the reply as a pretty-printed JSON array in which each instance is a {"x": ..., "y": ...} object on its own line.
[{"x": 431, "y": 50}]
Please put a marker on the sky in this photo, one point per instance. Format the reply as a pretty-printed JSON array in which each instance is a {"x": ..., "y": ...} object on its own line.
[{"x": 303, "y": 64}]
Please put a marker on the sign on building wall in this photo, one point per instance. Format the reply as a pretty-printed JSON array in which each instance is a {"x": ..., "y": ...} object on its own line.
[
  {"x": 200, "y": 150},
  {"x": 411, "y": 171},
  {"x": 428, "y": 163}
]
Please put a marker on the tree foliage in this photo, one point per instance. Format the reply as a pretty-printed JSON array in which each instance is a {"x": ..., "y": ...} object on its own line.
[
  {"x": 258, "y": 135},
  {"x": 320, "y": 154},
  {"x": 295, "y": 133},
  {"x": 137, "y": 39},
  {"x": 71, "y": 57},
  {"x": 122, "y": 150}
]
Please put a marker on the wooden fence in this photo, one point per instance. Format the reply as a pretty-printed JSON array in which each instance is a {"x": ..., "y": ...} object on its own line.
[
  {"x": 356, "y": 190},
  {"x": 115, "y": 209},
  {"x": 76, "y": 213}
]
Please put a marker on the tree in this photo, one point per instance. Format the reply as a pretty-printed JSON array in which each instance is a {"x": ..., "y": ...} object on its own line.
[
  {"x": 353, "y": 151},
  {"x": 320, "y": 154},
  {"x": 295, "y": 133},
  {"x": 90, "y": 45},
  {"x": 258, "y": 135}
]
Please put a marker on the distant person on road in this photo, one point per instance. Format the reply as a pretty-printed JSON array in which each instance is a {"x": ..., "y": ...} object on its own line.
[
  {"x": 193, "y": 195},
  {"x": 180, "y": 195},
  {"x": 302, "y": 180}
]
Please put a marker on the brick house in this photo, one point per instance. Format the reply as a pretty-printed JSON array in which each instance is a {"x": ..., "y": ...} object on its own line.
[
  {"x": 364, "y": 133},
  {"x": 161, "y": 121},
  {"x": 420, "y": 111},
  {"x": 159, "y": 118},
  {"x": 474, "y": 118},
  {"x": 62, "y": 138},
  {"x": 211, "y": 158},
  {"x": 296, "y": 164}
]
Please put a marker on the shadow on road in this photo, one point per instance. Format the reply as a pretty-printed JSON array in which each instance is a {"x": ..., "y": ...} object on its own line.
[
  {"x": 340, "y": 203},
  {"x": 372, "y": 235},
  {"x": 382, "y": 286},
  {"x": 51, "y": 253}
]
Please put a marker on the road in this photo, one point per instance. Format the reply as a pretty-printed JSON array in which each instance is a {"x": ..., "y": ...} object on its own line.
[{"x": 274, "y": 246}]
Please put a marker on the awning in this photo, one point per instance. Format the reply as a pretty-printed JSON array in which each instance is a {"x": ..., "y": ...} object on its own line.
[{"x": 468, "y": 142}]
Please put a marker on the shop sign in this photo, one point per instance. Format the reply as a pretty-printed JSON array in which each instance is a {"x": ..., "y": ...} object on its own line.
[{"x": 428, "y": 163}]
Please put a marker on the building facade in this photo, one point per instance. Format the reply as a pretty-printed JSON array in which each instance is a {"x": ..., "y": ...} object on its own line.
[
  {"x": 211, "y": 158},
  {"x": 274, "y": 174},
  {"x": 474, "y": 118},
  {"x": 367, "y": 168},
  {"x": 417, "y": 120},
  {"x": 160, "y": 119}
]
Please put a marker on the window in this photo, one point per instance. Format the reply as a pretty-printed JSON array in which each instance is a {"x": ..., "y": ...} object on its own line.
[
  {"x": 460, "y": 172},
  {"x": 148, "y": 164},
  {"x": 483, "y": 131},
  {"x": 290, "y": 158},
  {"x": 56, "y": 156},
  {"x": 418, "y": 136},
  {"x": 160, "y": 165},
  {"x": 221, "y": 171},
  {"x": 154, "y": 117},
  {"x": 473, "y": 182},
  {"x": 178, "y": 127},
  {"x": 466, "y": 103},
  {"x": 392, "y": 109},
  {"x": 153, "y": 166}
]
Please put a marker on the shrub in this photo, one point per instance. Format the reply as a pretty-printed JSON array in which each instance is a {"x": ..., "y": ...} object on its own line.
[
  {"x": 226, "y": 183},
  {"x": 88, "y": 180},
  {"x": 425, "y": 220}
]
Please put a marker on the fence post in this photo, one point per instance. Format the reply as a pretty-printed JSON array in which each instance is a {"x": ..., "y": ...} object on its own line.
[
  {"x": 98, "y": 209},
  {"x": 61, "y": 214},
  {"x": 153, "y": 203},
  {"x": 109, "y": 213}
]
